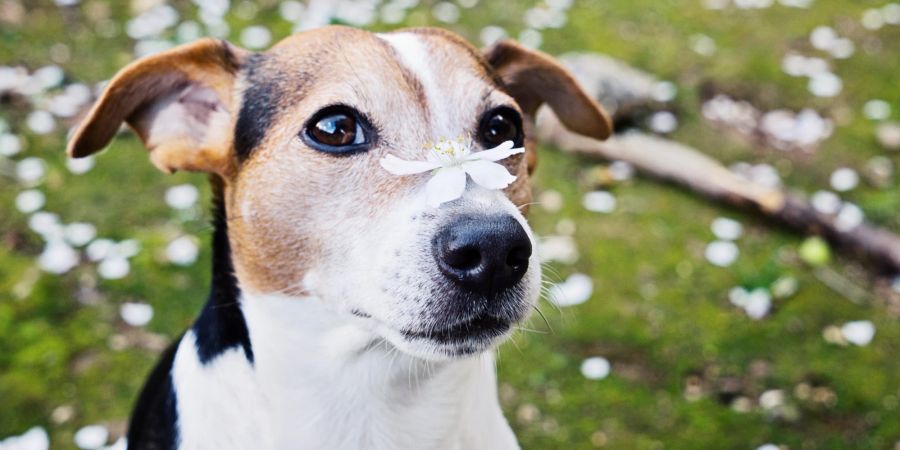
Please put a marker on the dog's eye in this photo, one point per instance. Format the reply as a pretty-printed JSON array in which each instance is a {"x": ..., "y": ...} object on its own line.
[
  {"x": 337, "y": 129},
  {"x": 500, "y": 125}
]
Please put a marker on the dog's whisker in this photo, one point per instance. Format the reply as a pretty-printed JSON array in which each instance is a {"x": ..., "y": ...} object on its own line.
[
  {"x": 529, "y": 330},
  {"x": 514, "y": 340},
  {"x": 525, "y": 205},
  {"x": 543, "y": 317},
  {"x": 549, "y": 269}
]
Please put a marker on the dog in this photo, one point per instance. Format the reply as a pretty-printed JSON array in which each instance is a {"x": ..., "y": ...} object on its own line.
[{"x": 345, "y": 312}]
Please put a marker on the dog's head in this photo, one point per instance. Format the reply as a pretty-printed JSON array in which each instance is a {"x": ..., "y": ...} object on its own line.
[{"x": 295, "y": 135}]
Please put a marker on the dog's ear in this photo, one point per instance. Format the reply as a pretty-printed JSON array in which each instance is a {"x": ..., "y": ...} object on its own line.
[
  {"x": 534, "y": 78},
  {"x": 179, "y": 102}
]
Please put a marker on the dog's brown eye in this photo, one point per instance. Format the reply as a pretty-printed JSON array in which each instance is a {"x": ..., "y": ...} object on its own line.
[
  {"x": 337, "y": 129},
  {"x": 501, "y": 125}
]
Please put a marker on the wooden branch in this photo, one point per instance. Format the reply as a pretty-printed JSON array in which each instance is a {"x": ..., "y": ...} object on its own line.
[{"x": 685, "y": 166}]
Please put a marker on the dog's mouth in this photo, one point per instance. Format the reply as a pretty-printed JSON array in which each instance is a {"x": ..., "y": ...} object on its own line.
[{"x": 479, "y": 329}]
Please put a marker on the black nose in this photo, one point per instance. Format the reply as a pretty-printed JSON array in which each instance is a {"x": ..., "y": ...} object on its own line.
[{"x": 484, "y": 254}]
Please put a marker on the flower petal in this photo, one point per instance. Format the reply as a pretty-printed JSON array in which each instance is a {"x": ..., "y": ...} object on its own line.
[
  {"x": 399, "y": 166},
  {"x": 488, "y": 174},
  {"x": 446, "y": 185},
  {"x": 502, "y": 151}
]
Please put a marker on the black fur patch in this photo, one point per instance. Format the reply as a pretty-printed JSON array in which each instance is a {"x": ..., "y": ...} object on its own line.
[
  {"x": 154, "y": 419},
  {"x": 221, "y": 324},
  {"x": 220, "y": 327},
  {"x": 258, "y": 107}
]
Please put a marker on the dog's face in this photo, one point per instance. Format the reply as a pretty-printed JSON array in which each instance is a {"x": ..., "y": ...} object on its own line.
[{"x": 295, "y": 135}]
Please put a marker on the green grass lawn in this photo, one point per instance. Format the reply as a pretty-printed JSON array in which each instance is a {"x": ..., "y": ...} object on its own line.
[{"x": 688, "y": 368}]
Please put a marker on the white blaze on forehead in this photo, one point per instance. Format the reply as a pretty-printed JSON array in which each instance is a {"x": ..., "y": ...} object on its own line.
[{"x": 414, "y": 55}]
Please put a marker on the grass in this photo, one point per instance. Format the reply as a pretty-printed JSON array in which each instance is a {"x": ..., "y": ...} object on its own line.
[{"x": 680, "y": 352}]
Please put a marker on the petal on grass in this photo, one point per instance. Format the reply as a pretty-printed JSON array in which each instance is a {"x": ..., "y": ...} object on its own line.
[
  {"x": 502, "y": 151},
  {"x": 446, "y": 185},
  {"x": 488, "y": 174},
  {"x": 399, "y": 166}
]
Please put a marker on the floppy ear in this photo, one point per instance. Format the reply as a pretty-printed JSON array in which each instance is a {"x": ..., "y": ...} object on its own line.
[
  {"x": 179, "y": 102},
  {"x": 533, "y": 78}
]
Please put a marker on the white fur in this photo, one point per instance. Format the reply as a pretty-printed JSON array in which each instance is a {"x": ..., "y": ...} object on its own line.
[
  {"x": 322, "y": 381},
  {"x": 218, "y": 404},
  {"x": 414, "y": 55}
]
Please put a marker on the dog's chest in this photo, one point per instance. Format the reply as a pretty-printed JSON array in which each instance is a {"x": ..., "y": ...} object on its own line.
[{"x": 327, "y": 389}]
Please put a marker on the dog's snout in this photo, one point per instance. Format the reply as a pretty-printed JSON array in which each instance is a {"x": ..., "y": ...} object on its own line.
[{"x": 483, "y": 254}]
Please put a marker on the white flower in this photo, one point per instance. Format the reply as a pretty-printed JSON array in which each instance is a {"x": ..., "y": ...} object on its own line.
[{"x": 450, "y": 161}]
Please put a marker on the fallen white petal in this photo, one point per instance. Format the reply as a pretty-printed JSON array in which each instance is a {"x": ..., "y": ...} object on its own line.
[
  {"x": 663, "y": 122},
  {"x": 826, "y": 202},
  {"x": 91, "y": 437},
  {"x": 256, "y": 37},
  {"x": 127, "y": 248},
  {"x": 557, "y": 248},
  {"x": 136, "y": 314},
  {"x": 722, "y": 253},
  {"x": 785, "y": 287},
  {"x": 859, "y": 332},
  {"x": 30, "y": 170},
  {"x": 46, "y": 224},
  {"x": 550, "y": 201},
  {"x": 183, "y": 196},
  {"x": 849, "y": 217},
  {"x": 35, "y": 438},
  {"x": 502, "y": 151},
  {"x": 399, "y": 166},
  {"x": 58, "y": 258},
  {"x": 823, "y": 37},
  {"x": 182, "y": 251},
  {"x": 79, "y": 166},
  {"x": 576, "y": 290},
  {"x": 595, "y": 368},
  {"x": 844, "y": 179},
  {"x": 114, "y": 268},
  {"x": 727, "y": 229},
  {"x": 99, "y": 249},
  {"x": 771, "y": 399},
  {"x": 825, "y": 84},
  {"x": 488, "y": 174},
  {"x": 738, "y": 296},
  {"x": 758, "y": 303},
  {"x": 565, "y": 227},
  {"x": 80, "y": 233},
  {"x": 599, "y": 201},
  {"x": 491, "y": 34},
  {"x": 30, "y": 200},
  {"x": 446, "y": 185},
  {"x": 10, "y": 144},
  {"x": 621, "y": 170},
  {"x": 877, "y": 109},
  {"x": 872, "y": 19},
  {"x": 41, "y": 122}
]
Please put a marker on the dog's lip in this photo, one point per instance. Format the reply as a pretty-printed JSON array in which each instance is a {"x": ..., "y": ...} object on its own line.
[{"x": 481, "y": 327}]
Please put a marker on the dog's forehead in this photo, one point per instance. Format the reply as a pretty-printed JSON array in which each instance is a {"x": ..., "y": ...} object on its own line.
[
  {"x": 450, "y": 75},
  {"x": 430, "y": 80}
]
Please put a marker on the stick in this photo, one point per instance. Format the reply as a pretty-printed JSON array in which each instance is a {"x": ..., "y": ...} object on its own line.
[{"x": 682, "y": 165}]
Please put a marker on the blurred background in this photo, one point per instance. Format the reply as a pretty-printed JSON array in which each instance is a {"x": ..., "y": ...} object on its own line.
[{"x": 669, "y": 322}]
